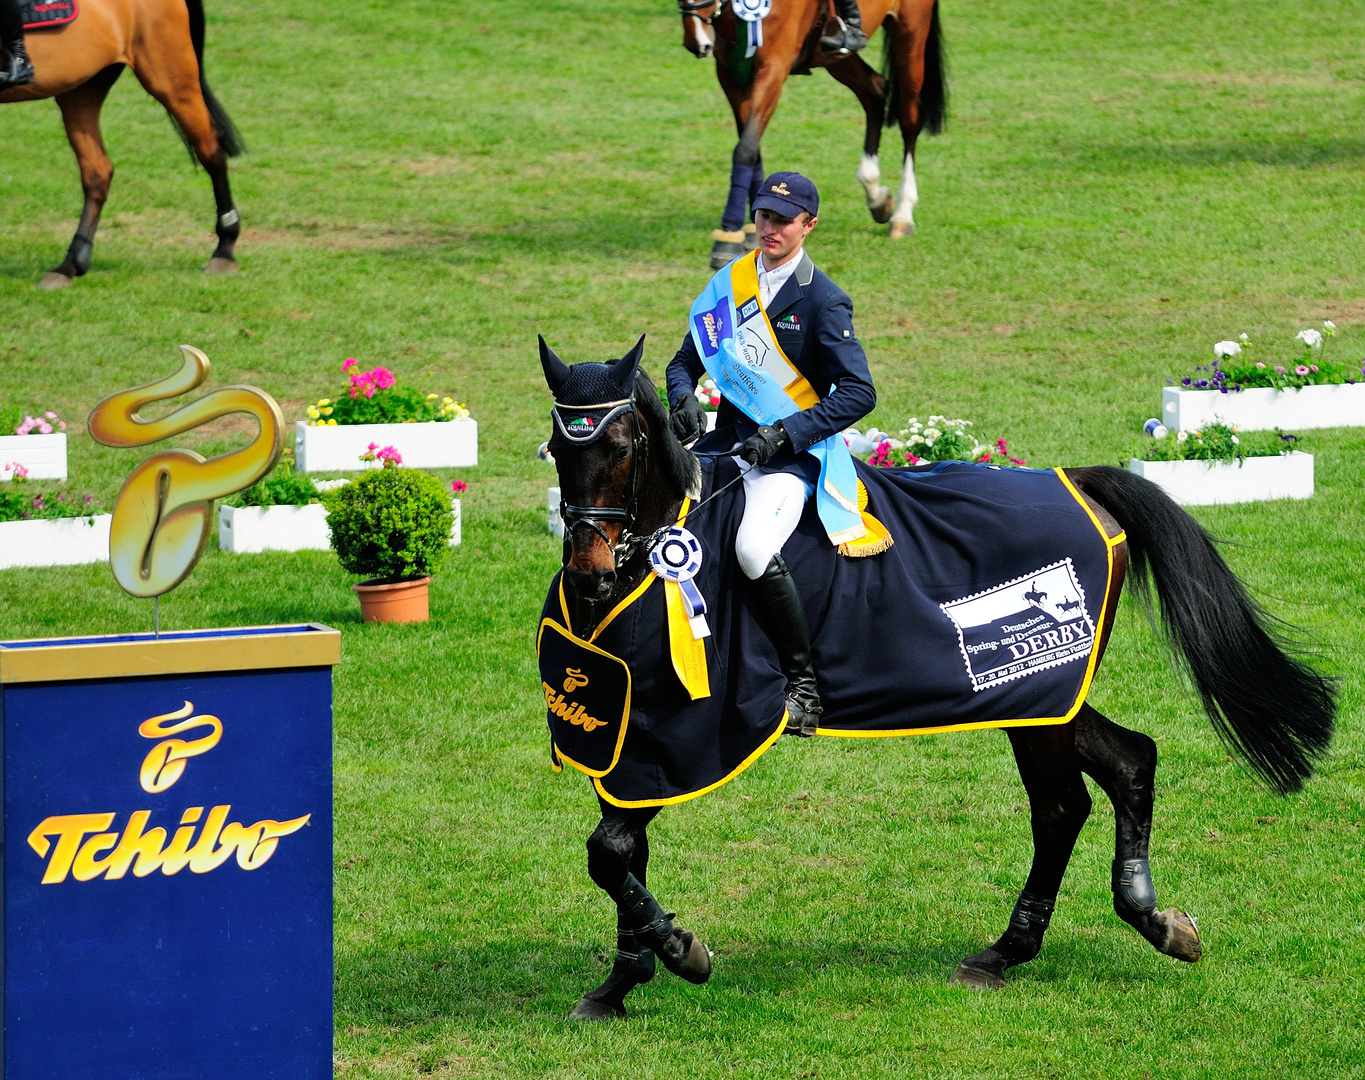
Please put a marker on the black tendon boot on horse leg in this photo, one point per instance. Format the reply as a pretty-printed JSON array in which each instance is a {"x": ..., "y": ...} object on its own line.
[
  {"x": 1123, "y": 763},
  {"x": 618, "y": 857},
  {"x": 1059, "y": 805},
  {"x": 778, "y": 607},
  {"x": 850, "y": 37}
]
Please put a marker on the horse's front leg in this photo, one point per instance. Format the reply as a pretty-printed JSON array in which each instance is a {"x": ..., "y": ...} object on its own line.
[
  {"x": 1059, "y": 805},
  {"x": 618, "y": 859},
  {"x": 753, "y": 108}
]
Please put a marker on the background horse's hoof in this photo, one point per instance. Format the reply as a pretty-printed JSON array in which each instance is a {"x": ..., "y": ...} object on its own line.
[
  {"x": 55, "y": 279},
  {"x": 727, "y": 248},
  {"x": 218, "y": 265},
  {"x": 1182, "y": 941},
  {"x": 983, "y": 971},
  {"x": 901, "y": 229},
  {"x": 881, "y": 213},
  {"x": 589, "y": 1011}
]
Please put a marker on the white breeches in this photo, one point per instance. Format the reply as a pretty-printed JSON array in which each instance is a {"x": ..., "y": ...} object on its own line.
[{"x": 772, "y": 509}]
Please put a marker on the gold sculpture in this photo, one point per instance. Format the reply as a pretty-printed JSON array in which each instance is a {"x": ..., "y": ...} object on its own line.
[{"x": 164, "y": 510}]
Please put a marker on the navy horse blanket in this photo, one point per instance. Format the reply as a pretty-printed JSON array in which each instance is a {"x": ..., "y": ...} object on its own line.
[{"x": 982, "y": 614}]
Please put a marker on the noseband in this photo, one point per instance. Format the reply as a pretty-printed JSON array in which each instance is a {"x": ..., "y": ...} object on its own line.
[{"x": 590, "y": 516}]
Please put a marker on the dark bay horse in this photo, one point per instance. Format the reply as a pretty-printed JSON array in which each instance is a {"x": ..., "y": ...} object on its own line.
[
  {"x": 1272, "y": 710},
  {"x": 913, "y": 93},
  {"x": 78, "y": 64}
]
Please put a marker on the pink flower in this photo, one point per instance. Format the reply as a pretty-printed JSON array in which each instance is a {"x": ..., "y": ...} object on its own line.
[
  {"x": 20, "y": 471},
  {"x": 1002, "y": 444},
  {"x": 350, "y": 363},
  {"x": 372, "y": 447},
  {"x": 1312, "y": 367},
  {"x": 984, "y": 458},
  {"x": 389, "y": 456},
  {"x": 1016, "y": 461},
  {"x": 1260, "y": 365},
  {"x": 911, "y": 459},
  {"x": 1279, "y": 369},
  {"x": 1302, "y": 369},
  {"x": 459, "y": 487},
  {"x": 382, "y": 378}
]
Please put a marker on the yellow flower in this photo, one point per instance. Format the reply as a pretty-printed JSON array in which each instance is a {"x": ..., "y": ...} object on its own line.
[
  {"x": 324, "y": 401},
  {"x": 431, "y": 397},
  {"x": 331, "y": 423},
  {"x": 326, "y": 412}
]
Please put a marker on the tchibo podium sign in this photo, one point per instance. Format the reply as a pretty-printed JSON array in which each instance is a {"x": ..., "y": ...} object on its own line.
[{"x": 167, "y": 888}]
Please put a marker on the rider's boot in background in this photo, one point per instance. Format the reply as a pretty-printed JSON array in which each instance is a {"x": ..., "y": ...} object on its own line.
[
  {"x": 850, "y": 37},
  {"x": 15, "y": 67},
  {"x": 778, "y": 607}
]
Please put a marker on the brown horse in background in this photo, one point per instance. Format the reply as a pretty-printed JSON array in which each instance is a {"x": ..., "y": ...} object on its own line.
[
  {"x": 913, "y": 93},
  {"x": 78, "y": 64}
]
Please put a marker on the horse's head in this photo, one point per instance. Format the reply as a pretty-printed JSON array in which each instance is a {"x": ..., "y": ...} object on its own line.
[
  {"x": 621, "y": 471},
  {"x": 699, "y": 26}
]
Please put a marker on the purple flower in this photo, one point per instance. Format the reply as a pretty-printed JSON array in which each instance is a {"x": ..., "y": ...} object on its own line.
[
  {"x": 1186, "y": 381},
  {"x": 1200, "y": 384}
]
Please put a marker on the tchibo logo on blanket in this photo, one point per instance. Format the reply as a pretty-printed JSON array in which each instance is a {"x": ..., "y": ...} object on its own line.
[{"x": 1031, "y": 623}]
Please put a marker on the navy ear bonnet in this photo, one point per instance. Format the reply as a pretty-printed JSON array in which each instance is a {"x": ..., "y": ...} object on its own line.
[{"x": 589, "y": 396}]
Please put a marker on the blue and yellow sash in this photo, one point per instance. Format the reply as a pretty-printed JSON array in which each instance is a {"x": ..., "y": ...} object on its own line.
[{"x": 737, "y": 346}]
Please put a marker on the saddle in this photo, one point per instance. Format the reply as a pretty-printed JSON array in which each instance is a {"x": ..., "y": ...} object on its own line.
[{"x": 45, "y": 14}]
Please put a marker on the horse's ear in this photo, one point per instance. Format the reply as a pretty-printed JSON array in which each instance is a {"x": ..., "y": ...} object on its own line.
[
  {"x": 556, "y": 371},
  {"x": 623, "y": 371}
]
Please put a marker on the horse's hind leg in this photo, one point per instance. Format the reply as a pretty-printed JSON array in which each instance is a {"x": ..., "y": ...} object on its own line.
[
  {"x": 870, "y": 89},
  {"x": 1123, "y": 763},
  {"x": 81, "y": 115},
  {"x": 618, "y": 858},
  {"x": 172, "y": 77},
  {"x": 1059, "y": 805}
]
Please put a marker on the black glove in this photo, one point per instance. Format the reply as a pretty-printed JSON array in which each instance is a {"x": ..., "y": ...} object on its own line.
[
  {"x": 759, "y": 448},
  {"x": 688, "y": 420}
]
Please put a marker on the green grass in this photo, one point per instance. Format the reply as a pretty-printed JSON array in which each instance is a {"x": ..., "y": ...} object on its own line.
[{"x": 428, "y": 187}]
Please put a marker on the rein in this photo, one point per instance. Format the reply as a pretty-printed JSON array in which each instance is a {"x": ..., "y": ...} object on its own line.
[{"x": 695, "y": 8}]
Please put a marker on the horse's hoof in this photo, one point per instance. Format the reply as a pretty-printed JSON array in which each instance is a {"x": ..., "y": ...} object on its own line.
[
  {"x": 589, "y": 1011},
  {"x": 881, "y": 213},
  {"x": 1182, "y": 937},
  {"x": 983, "y": 971},
  {"x": 750, "y": 238},
  {"x": 691, "y": 960},
  {"x": 55, "y": 279},
  {"x": 727, "y": 247},
  {"x": 219, "y": 265},
  {"x": 900, "y": 229}
]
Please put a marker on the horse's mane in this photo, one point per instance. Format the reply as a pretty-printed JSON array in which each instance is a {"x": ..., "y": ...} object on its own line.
[{"x": 681, "y": 470}]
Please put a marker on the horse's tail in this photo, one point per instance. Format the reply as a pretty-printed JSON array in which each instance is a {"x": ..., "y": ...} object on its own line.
[
  {"x": 229, "y": 138},
  {"x": 933, "y": 91},
  {"x": 1270, "y": 708}
]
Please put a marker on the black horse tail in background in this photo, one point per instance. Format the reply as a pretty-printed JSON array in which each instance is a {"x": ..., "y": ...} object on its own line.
[
  {"x": 933, "y": 93},
  {"x": 1269, "y": 707},
  {"x": 228, "y": 135}
]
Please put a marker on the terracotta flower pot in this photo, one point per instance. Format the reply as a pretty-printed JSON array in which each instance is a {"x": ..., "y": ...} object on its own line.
[{"x": 398, "y": 601}]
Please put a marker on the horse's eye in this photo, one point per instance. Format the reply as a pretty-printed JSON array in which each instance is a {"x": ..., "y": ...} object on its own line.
[{"x": 619, "y": 458}]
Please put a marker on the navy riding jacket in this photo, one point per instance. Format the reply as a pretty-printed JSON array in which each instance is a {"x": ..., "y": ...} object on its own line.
[{"x": 813, "y": 322}]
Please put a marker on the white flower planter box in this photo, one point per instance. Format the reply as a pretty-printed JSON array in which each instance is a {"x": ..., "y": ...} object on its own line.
[
  {"x": 250, "y": 529},
  {"x": 55, "y": 542},
  {"x": 1265, "y": 408},
  {"x": 432, "y": 445},
  {"x": 552, "y": 509},
  {"x": 43, "y": 455},
  {"x": 1207, "y": 483}
]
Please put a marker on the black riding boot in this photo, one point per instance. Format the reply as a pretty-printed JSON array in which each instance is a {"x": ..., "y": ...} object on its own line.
[
  {"x": 15, "y": 67},
  {"x": 850, "y": 37},
  {"x": 779, "y": 611}
]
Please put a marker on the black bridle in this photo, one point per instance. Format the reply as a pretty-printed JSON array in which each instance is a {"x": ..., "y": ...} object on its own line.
[
  {"x": 695, "y": 9},
  {"x": 574, "y": 516}
]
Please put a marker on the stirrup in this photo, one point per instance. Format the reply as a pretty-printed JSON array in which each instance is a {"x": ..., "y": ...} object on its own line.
[
  {"x": 17, "y": 72},
  {"x": 842, "y": 43},
  {"x": 803, "y": 715}
]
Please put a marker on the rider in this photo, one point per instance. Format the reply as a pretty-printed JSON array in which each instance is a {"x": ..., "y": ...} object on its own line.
[
  {"x": 850, "y": 37},
  {"x": 812, "y": 321},
  {"x": 15, "y": 67}
]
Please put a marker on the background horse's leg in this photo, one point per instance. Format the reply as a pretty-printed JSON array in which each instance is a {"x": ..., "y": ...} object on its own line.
[
  {"x": 870, "y": 89},
  {"x": 753, "y": 107},
  {"x": 1059, "y": 804},
  {"x": 1123, "y": 763},
  {"x": 172, "y": 77},
  {"x": 81, "y": 115},
  {"x": 618, "y": 857},
  {"x": 918, "y": 96}
]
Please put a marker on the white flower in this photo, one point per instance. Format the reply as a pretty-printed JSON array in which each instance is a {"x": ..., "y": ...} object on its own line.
[
  {"x": 1310, "y": 337},
  {"x": 1329, "y": 326},
  {"x": 1226, "y": 348},
  {"x": 1182, "y": 436},
  {"x": 1243, "y": 338},
  {"x": 931, "y": 434},
  {"x": 1236, "y": 441}
]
